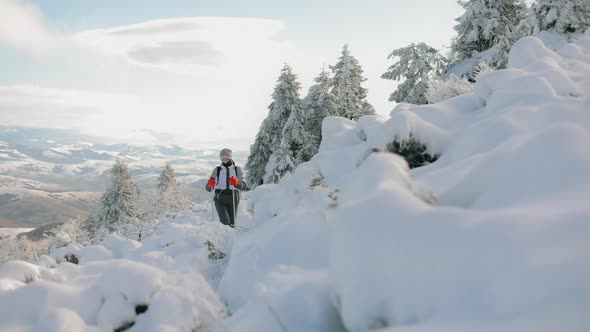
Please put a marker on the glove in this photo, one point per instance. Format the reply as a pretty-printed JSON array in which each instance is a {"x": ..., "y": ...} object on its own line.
[
  {"x": 233, "y": 181},
  {"x": 211, "y": 182}
]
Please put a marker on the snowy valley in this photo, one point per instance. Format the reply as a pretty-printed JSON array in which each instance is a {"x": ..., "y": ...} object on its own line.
[
  {"x": 52, "y": 175},
  {"x": 493, "y": 236}
]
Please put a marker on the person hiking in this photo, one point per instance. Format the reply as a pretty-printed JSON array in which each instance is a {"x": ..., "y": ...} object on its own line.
[{"x": 227, "y": 180}]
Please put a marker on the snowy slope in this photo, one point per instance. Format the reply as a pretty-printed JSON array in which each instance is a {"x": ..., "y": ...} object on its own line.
[
  {"x": 506, "y": 248},
  {"x": 163, "y": 284},
  {"x": 32, "y": 207},
  {"x": 491, "y": 237}
]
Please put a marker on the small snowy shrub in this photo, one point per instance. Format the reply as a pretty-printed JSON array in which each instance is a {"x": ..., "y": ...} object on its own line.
[
  {"x": 73, "y": 231},
  {"x": 415, "y": 152},
  {"x": 19, "y": 248},
  {"x": 71, "y": 258},
  {"x": 214, "y": 253},
  {"x": 317, "y": 180},
  {"x": 439, "y": 89}
]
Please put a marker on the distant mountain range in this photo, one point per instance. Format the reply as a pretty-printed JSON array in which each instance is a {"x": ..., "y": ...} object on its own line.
[{"x": 51, "y": 175}]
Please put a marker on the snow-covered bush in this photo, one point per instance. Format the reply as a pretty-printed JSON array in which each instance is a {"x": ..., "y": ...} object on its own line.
[
  {"x": 18, "y": 247},
  {"x": 440, "y": 89},
  {"x": 72, "y": 231},
  {"x": 415, "y": 153}
]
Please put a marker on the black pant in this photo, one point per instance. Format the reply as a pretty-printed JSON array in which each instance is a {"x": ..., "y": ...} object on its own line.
[{"x": 226, "y": 208}]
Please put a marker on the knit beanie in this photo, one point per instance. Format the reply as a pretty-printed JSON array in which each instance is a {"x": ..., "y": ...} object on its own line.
[{"x": 225, "y": 152}]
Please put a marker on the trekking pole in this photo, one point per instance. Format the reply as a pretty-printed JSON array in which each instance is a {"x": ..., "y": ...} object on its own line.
[
  {"x": 233, "y": 202},
  {"x": 212, "y": 206}
]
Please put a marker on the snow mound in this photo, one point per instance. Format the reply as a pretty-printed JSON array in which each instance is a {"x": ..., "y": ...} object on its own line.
[
  {"x": 505, "y": 248},
  {"x": 163, "y": 284}
]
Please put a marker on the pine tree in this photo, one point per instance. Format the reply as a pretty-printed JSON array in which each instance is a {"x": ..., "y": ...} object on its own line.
[
  {"x": 260, "y": 153},
  {"x": 418, "y": 64},
  {"x": 350, "y": 96},
  {"x": 279, "y": 164},
  {"x": 167, "y": 179},
  {"x": 119, "y": 205},
  {"x": 285, "y": 99},
  {"x": 564, "y": 16},
  {"x": 170, "y": 198},
  {"x": 488, "y": 24},
  {"x": 270, "y": 135},
  {"x": 295, "y": 140},
  {"x": 318, "y": 104}
]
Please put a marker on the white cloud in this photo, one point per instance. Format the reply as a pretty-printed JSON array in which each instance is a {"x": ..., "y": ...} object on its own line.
[
  {"x": 223, "y": 71},
  {"x": 177, "y": 52},
  {"x": 202, "y": 46},
  {"x": 22, "y": 26},
  {"x": 208, "y": 78}
]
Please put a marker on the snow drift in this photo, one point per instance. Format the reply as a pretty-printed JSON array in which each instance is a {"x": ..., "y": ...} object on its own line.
[
  {"x": 505, "y": 247},
  {"x": 163, "y": 284}
]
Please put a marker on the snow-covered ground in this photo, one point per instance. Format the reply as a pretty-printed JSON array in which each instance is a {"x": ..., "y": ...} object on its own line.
[
  {"x": 162, "y": 284},
  {"x": 350, "y": 240},
  {"x": 491, "y": 237}
]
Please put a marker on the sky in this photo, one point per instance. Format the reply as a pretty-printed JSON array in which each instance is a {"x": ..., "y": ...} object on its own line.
[{"x": 201, "y": 70}]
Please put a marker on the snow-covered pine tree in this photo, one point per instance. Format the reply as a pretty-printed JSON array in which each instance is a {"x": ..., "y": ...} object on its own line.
[
  {"x": 367, "y": 108},
  {"x": 485, "y": 25},
  {"x": 563, "y": 16},
  {"x": 170, "y": 198},
  {"x": 279, "y": 164},
  {"x": 167, "y": 179},
  {"x": 119, "y": 205},
  {"x": 351, "y": 97},
  {"x": 295, "y": 139},
  {"x": 268, "y": 140},
  {"x": 285, "y": 99},
  {"x": 418, "y": 64},
  {"x": 260, "y": 153},
  {"x": 295, "y": 146},
  {"x": 318, "y": 104}
]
